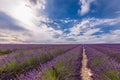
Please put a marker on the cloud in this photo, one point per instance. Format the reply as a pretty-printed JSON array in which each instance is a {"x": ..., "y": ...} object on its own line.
[
  {"x": 24, "y": 13},
  {"x": 117, "y": 12},
  {"x": 6, "y": 22},
  {"x": 112, "y": 37},
  {"x": 45, "y": 34},
  {"x": 68, "y": 20},
  {"x": 14, "y": 36},
  {"x": 91, "y": 31},
  {"x": 26, "y": 21},
  {"x": 78, "y": 28},
  {"x": 29, "y": 15},
  {"x": 85, "y": 6},
  {"x": 89, "y": 23},
  {"x": 33, "y": 1},
  {"x": 84, "y": 31}
]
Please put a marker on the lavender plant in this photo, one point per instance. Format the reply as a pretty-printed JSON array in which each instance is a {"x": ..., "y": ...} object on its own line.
[
  {"x": 103, "y": 68},
  {"x": 23, "y": 60},
  {"x": 64, "y": 67}
]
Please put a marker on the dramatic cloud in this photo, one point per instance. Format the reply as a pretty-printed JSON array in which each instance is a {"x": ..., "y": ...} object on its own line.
[
  {"x": 85, "y": 6},
  {"x": 37, "y": 21},
  {"x": 112, "y": 37},
  {"x": 90, "y": 23},
  {"x": 85, "y": 31},
  {"x": 30, "y": 17},
  {"x": 26, "y": 15},
  {"x": 91, "y": 31},
  {"x": 33, "y": 1},
  {"x": 11, "y": 36}
]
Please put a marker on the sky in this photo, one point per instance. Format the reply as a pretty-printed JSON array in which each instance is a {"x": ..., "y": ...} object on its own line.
[{"x": 59, "y": 21}]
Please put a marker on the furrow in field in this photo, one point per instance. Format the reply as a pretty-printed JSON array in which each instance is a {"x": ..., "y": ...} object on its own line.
[{"x": 85, "y": 72}]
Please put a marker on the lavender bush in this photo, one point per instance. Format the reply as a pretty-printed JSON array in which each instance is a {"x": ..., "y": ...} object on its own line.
[{"x": 22, "y": 60}]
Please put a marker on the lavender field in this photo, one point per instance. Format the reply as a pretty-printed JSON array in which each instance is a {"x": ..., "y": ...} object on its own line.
[
  {"x": 59, "y": 39},
  {"x": 60, "y": 62}
]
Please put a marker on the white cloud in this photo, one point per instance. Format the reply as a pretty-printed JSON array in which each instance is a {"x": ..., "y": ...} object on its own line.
[
  {"x": 68, "y": 20},
  {"x": 25, "y": 14},
  {"x": 10, "y": 36},
  {"x": 83, "y": 31},
  {"x": 117, "y": 12},
  {"x": 112, "y": 37},
  {"x": 85, "y": 6},
  {"x": 91, "y": 31},
  {"x": 44, "y": 34},
  {"x": 30, "y": 15},
  {"x": 90, "y": 23},
  {"x": 77, "y": 28}
]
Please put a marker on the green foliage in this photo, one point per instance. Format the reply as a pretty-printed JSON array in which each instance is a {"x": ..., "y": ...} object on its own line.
[
  {"x": 60, "y": 64},
  {"x": 4, "y": 51},
  {"x": 18, "y": 54},
  {"x": 118, "y": 56},
  {"x": 54, "y": 53},
  {"x": 50, "y": 74},
  {"x": 42, "y": 58},
  {"x": 110, "y": 74},
  {"x": 10, "y": 67},
  {"x": 61, "y": 71},
  {"x": 98, "y": 61},
  {"x": 15, "y": 67},
  {"x": 31, "y": 61}
]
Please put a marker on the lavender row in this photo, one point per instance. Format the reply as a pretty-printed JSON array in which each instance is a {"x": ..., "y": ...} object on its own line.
[
  {"x": 64, "y": 67},
  {"x": 111, "y": 50},
  {"x": 103, "y": 68},
  {"x": 9, "y": 48},
  {"x": 22, "y": 60}
]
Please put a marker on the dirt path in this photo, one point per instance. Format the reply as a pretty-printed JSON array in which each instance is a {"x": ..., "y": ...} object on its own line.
[{"x": 85, "y": 72}]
